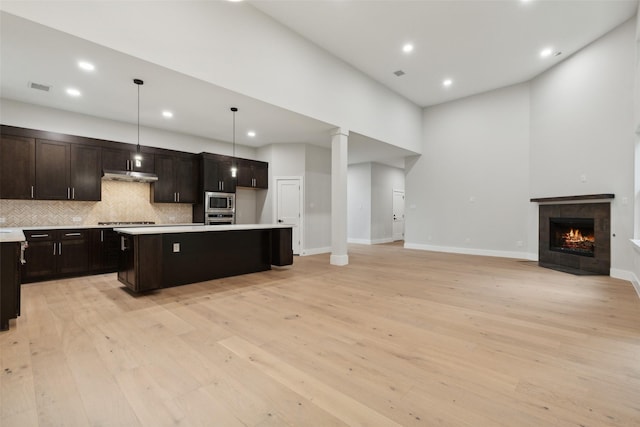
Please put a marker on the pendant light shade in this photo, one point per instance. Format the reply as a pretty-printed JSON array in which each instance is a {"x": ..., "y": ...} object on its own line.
[{"x": 234, "y": 168}]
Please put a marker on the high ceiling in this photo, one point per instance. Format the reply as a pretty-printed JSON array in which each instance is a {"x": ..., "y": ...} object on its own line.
[{"x": 480, "y": 45}]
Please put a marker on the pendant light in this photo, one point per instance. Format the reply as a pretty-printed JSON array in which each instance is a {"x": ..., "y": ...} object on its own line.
[
  {"x": 138, "y": 156},
  {"x": 234, "y": 169}
]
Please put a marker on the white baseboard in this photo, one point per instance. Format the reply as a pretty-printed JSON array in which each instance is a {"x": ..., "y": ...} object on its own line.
[
  {"x": 471, "y": 251},
  {"x": 360, "y": 241},
  {"x": 621, "y": 274},
  {"x": 631, "y": 277},
  {"x": 370, "y": 241},
  {"x": 315, "y": 251}
]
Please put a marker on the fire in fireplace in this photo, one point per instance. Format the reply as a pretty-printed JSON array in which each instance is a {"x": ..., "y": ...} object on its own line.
[{"x": 572, "y": 235}]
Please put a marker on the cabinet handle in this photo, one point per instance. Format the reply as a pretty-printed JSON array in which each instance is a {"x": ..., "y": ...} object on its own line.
[
  {"x": 178, "y": 197},
  {"x": 123, "y": 243},
  {"x": 222, "y": 185},
  {"x": 72, "y": 234},
  {"x": 73, "y": 193},
  {"x": 101, "y": 235},
  {"x": 68, "y": 193},
  {"x": 54, "y": 248},
  {"x": 32, "y": 191},
  {"x": 35, "y": 236},
  {"x": 59, "y": 248}
]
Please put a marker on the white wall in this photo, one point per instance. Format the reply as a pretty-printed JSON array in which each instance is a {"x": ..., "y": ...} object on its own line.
[
  {"x": 468, "y": 192},
  {"x": 235, "y": 46},
  {"x": 317, "y": 198},
  {"x": 359, "y": 203},
  {"x": 384, "y": 179},
  {"x": 582, "y": 132},
  {"x": 31, "y": 116},
  {"x": 313, "y": 164}
]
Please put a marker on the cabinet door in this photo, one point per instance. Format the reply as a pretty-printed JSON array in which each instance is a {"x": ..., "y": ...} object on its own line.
[
  {"x": 73, "y": 252},
  {"x": 86, "y": 177},
  {"x": 245, "y": 174},
  {"x": 185, "y": 179},
  {"x": 210, "y": 180},
  {"x": 52, "y": 170},
  {"x": 224, "y": 175},
  {"x": 114, "y": 159},
  {"x": 261, "y": 175},
  {"x": 40, "y": 256},
  {"x": 17, "y": 167},
  {"x": 163, "y": 190},
  {"x": 96, "y": 254}
]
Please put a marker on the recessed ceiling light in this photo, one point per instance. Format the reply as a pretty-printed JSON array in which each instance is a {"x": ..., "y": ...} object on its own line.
[
  {"x": 73, "y": 92},
  {"x": 251, "y": 133},
  {"x": 167, "y": 114},
  {"x": 407, "y": 48},
  {"x": 546, "y": 52},
  {"x": 87, "y": 66},
  {"x": 447, "y": 82}
]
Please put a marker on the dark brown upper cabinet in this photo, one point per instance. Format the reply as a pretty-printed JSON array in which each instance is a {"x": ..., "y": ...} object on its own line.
[
  {"x": 17, "y": 167},
  {"x": 253, "y": 174},
  {"x": 176, "y": 179},
  {"x": 216, "y": 173},
  {"x": 127, "y": 160},
  {"x": 67, "y": 171}
]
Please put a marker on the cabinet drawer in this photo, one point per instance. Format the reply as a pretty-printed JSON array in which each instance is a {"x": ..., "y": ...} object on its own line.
[
  {"x": 39, "y": 235},
  {"x": 73, "y": 234}
]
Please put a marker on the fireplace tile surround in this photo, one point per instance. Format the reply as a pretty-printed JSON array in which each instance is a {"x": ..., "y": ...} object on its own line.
[{"x": 596, "y": 207}]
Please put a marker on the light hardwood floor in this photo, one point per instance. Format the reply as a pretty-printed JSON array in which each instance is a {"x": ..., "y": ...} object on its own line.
[{"x": 398, "y": 337}]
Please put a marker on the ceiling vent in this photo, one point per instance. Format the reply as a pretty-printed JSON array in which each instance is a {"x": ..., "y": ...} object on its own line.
[
  {"x": 39, "y": 86},
  {"x": 399, "y": 73}
]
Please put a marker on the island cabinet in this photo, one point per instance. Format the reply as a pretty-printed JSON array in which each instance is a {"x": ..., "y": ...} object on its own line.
[
  {"x": 140, "y": 264},
  {"x": 176, "y": 179},
  {"x": 9, "y": 283},
  {"x": 162, "y": 257},
  {"x": 17, "y": 167},
  {"x": 253, "y": 174},
  {"x": 52, "y": 254}
]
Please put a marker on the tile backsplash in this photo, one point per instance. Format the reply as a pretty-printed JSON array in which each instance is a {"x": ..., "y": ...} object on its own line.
[{"x": 121, "y": 201}]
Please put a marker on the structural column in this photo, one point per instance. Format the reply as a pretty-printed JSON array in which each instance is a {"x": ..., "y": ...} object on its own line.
[{"x": 339, "y": 157}]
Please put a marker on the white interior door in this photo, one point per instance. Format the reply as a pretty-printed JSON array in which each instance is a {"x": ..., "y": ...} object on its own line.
[
  {"x": 398, "y": 215},
  {"x": 289, "y": 207}
]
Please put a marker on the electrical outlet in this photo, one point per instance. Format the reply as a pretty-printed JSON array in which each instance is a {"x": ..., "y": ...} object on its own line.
[
  {"x": 3, "y": 220},
  {"x": 176, "y": 247},
  {"x": 172, "y": 218},
  {"x": 76, "y": 219},
  {"x": 519, "y": 243}
]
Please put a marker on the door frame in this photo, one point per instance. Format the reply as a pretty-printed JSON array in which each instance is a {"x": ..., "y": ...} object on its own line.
[{"x": 275, "y": 206}]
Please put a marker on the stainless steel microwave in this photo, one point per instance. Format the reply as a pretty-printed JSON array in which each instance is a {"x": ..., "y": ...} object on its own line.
[{"x": 219, "y": 202}]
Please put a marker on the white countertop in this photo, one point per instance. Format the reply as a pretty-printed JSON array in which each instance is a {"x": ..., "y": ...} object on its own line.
[
  {"x": 73, "y": 227},
  {"x": 11, "y": 235},
  {"x": 196, "y": 228}
]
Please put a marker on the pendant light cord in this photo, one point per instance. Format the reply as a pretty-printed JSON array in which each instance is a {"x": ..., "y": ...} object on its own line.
[{"x": 138, "y": 146}]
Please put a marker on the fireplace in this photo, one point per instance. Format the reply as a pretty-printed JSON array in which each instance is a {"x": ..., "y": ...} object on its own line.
[
  {"x": 575, "y": 237},
  {"x": 572, "y": 236}
]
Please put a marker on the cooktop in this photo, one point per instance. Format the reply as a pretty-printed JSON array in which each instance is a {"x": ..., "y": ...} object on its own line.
[{"x": 126, "y": 222}]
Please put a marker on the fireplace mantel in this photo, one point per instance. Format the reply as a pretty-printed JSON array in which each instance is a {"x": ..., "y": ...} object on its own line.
[{"x": 589, "y": 197}]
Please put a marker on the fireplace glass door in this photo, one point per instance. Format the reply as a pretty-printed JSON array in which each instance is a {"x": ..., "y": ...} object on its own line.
[{"x": 572, "y": 235}]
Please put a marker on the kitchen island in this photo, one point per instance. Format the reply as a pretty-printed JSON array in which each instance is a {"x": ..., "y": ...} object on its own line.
[
  {"x": 11, "y": 245},
  {"x": 161, "y": 257}
]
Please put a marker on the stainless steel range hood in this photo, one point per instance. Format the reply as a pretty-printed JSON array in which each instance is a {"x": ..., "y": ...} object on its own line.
[{"x": 130, "y": 176}]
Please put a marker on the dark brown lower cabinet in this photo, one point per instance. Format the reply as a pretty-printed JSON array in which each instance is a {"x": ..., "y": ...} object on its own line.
[
  {"x": 52, "y": 254},
  {"x": 9, "y": 283},
  {"x": 103, "y": 251}
]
